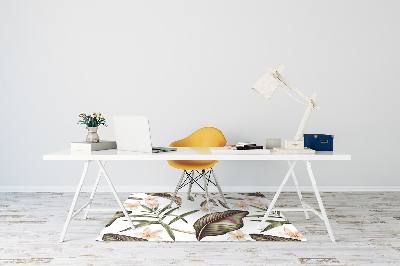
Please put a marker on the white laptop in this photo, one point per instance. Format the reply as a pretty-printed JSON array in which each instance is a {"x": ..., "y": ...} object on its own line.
[{"x": 133, "y": 134}]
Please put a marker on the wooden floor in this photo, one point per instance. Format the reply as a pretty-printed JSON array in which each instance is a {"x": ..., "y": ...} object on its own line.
[{"x": 366, "y": 226}]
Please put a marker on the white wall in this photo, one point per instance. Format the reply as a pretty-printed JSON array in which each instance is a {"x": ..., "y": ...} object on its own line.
[{"x": 189, "y": 64}]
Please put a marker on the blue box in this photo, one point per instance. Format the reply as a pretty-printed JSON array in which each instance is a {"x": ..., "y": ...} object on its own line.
[{"x": 318, "y": 142}]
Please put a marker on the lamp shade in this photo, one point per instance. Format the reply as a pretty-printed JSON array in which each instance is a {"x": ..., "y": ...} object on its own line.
[{"x": 266, "y": 86}]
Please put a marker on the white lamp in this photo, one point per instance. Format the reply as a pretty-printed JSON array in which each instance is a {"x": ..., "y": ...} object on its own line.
[{"x": 266, "y": 86}]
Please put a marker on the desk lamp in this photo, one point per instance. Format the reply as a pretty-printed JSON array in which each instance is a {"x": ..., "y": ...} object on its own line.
[{"x": 266, "y": 86}]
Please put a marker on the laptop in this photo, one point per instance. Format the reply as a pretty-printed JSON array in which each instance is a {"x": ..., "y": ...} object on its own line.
[{"x": 133, "y": 134}]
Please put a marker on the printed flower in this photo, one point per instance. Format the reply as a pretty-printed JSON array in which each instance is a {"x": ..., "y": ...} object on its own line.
[
  {"x": 132, "y": 206},
  {"x": 148, "y": 234},
  {"x": 149, "y": 198},
  {"x": 151, "y": 204},
  {"x": 204, "y": 209},
  {"x": 241, "y": 205},
  {"x": 251, "y": 199},
  {"x": 295, "y": 235},
  {"x": 260, "y": 204},
  {"x": 238, "y": 235}
]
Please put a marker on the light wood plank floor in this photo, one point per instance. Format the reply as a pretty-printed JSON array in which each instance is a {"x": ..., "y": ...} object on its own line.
[{"x": 366, "y": 226}]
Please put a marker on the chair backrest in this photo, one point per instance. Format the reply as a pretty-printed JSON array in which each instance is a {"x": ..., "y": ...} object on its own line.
[{"x": 204, "y": 137}]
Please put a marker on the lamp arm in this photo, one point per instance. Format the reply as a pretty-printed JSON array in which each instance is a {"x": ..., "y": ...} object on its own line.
[
  {"x": 293, "y": 88},
  {"x": 305, "y": 117}
]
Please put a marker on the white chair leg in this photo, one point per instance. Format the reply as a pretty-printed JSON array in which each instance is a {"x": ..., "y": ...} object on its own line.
[
  {"x": 176, "y": 189},
  {"x": 190, "y": 184},
  {"x": 93, "y": 192},
  {"x": 299, "y": 192},
  {"x": 321, "y": 205},
  {"x": 219, "y": 187},
  {"x": 206, "y": 190},
  {"x": 71, "y": 210}
]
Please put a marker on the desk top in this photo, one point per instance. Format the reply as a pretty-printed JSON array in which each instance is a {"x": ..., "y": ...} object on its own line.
[{"x": 186, "y": 153}]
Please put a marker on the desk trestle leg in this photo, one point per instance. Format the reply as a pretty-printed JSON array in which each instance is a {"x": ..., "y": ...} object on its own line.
[
  {"x": 116, "y": 195},
  {"x": 71, "y": 210},
  {"x": 321, "y": 205},
  {"x": 93, "y": 192},
  {"x": 299, "y": 192}
]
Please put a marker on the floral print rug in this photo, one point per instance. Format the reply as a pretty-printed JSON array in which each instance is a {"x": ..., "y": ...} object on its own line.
[{"x": 189, "y": 219}]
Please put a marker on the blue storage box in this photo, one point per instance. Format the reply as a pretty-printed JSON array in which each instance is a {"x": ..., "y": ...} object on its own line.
[{"x": 318, "y": 142}]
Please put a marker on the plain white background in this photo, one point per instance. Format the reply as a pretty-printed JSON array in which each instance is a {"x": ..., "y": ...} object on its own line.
[{"x": 190, "y": 64}]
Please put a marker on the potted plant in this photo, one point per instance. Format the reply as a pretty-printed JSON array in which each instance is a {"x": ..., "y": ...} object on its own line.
[{"x": 92, "y": 123}]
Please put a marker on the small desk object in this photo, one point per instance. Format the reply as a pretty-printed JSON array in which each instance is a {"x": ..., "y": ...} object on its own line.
[{"x": 204, "y": 153}]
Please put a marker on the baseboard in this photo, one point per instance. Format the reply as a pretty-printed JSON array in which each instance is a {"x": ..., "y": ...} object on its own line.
[{"x": 196, "y": 189}]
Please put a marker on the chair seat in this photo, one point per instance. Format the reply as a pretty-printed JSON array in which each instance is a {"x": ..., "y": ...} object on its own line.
[{"x": 192, "y": 164}]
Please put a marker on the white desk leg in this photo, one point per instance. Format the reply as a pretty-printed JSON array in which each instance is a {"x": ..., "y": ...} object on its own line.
[
  {"x": 321, "y": 205},
  {"x": 219, "y": 187},
  {"x": 116, "y": 195},
  {"x": 93, "y": 192},
  {"x": 71, "y": 210},
  {"x": 271, "y": 206},
  {"x": 299, "y": 192}
]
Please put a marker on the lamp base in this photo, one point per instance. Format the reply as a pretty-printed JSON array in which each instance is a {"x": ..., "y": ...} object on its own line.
[{"x": 293, "y": 151}]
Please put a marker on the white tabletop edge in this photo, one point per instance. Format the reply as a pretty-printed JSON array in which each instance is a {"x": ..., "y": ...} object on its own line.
[{"x": 202, "y": 153}]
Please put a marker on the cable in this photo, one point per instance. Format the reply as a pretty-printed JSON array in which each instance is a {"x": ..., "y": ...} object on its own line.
[{"x": 291, "y": 95}]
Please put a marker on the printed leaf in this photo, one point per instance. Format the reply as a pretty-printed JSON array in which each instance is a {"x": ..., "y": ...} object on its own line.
[
  {"x": 258, "y": 208},
  {"x": 254, "y": 194},
  {"x": 191, "y": 198},
  {"x": 146, "y": 223},
  {"x": 181, "y": 217},
  {"x": 234, "y": 198},
  {"x": 177, "y": 200},
  {"x": 261, "y": 237},
  {"x": 213, "y": 202},
  {"x": 146, "y": 208},
  {"x": 163, "y": 209},
  {"x": 169, "y": 230},
  {"x": 117, "y": 215},
  {"x": 203, "y": 203},
  {"x": 135, "y": 198},
  {"x": 116, "y": 237},
  {"x": 223, "y": 204},
  {"x": 219, "y": 223},
  {"x": 169, "y": 212},
  {"x": 274, "y": 224}
]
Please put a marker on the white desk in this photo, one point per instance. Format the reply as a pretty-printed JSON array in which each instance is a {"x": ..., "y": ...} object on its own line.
[{"x": 194, "y": 154}]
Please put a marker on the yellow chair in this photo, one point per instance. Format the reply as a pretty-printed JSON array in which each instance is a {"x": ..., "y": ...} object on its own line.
[{"x": 204, "y": 137}]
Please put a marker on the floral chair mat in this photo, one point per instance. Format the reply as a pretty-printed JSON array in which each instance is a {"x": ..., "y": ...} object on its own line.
[{"x": 189, "y": 219}]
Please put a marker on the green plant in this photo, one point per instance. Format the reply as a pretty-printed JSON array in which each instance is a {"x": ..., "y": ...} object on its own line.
[{"x": 93, "y": 120}]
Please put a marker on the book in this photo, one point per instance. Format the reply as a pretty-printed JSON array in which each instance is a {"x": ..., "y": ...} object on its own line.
[
  {"x": 227, "y": 151},
  {"x": 251, "y": 147},
  {"x": 86, "y": 146}
]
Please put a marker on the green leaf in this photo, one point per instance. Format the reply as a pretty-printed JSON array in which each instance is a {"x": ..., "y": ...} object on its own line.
[
  {"x": 169, "y": 230},
  {"x": 223, "y": 204},
  {"x": 274, "y": 224},
  {"x": 163, "y": 209},
  {"x": 219, "y": 223},
  {"x": 117, "y": 215},
  {"x": 116, "y": 237},
  {"x": 146, "y": 223},
  {"x": 146, "y": 208},
  {"x": 181, "y": 217},
  {"x": 261, "y": 237},
  {"x": 253, "y": 194},
  {"x": 258, "y": 208},
  {"x": 170, "y": 211},
  {"x": 135, "y": 198},
  {"x": 234, "y": 198},
  {"x": 203, "y": 203}
]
